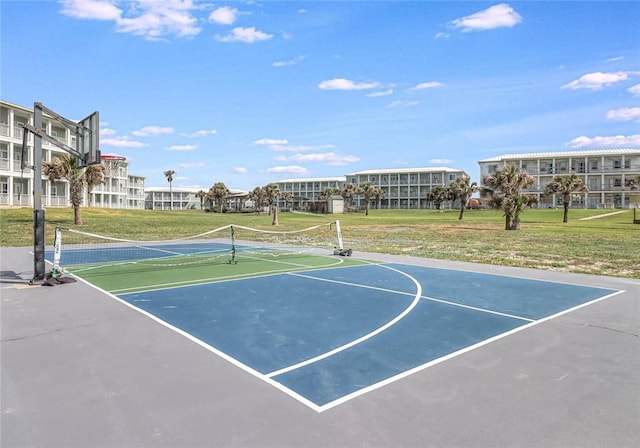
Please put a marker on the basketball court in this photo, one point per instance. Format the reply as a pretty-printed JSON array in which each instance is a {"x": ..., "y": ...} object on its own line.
[{"x": 316, "y": 350}]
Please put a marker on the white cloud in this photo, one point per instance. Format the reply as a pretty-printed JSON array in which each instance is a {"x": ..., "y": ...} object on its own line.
[
  {"x": 402, "y": 103},
  {"x": 427, "y": 85},
  {"x": 107, "y": 131},
  {"x": 347, "y": 84},
  {"x": 380, "y": 93},
  {"x": 271, "y": 141},
  {"x": 327, "y": 157},
  {"x": 187, "y": 165},
  {"x": 441, "y": 35},
  {"x": 246, "y": 35},
  {"x": 121, "y": 142},
  {"x": 181, "y": 148},
  {"x": 224, "y": 15},
  {"x": 150, "y": 19},
  {"x": 440, "y": 161},
  {"x": 622, "y": 141},
  {"x": 294, "y": 169},
  {"x": 616, "y": 58},
  {"x": 635, "y": 90},
  {"x": 289, "y": 62},
  {"x": 597, "y": 80},
  {"x": 201, "y": 133},
  {"x": 240, "y": 170},
  {"x": 299, "y": 148},
  {"x": 153, "y": 130},
  {"x": 625, "y": 114},
  {"x": 91, "y": 9},
  {"x": 497, "y": 16}
]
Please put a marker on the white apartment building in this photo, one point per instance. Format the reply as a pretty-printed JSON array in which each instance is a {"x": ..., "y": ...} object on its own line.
[
  {"x": 404, "y": 188},
  {"x": 121, "y": 190},
  {"x": 603, "y": 171},
  {"x": 175, "y": 198}
]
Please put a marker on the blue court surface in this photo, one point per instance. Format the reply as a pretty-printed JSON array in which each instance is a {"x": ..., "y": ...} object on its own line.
[{"x": 326, "y": 336}]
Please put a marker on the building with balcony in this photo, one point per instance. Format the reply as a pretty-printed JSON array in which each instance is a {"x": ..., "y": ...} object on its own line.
[
  {"x": 175, "y": 198},
  {"x": 120, "y": 190},
  {"x": 404, "y": 188},
  {"x": 603, "y": 171}
]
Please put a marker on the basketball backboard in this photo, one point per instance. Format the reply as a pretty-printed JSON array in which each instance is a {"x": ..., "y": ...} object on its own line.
[{"x": 88, "y": 140}]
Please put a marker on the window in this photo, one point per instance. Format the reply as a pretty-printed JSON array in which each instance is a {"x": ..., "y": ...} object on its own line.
[
  {"x": 54, "y": 191},
  {"x": 452, "y": 177},
  {"x": 617, "y": 182},
  {"x": 617, "y": 164},
  {"x": 627, "y": 164},
  {"x": 492, "y": 168},
  {"x": 593, "y": 164},
  {"x": 4, "y": 187}
]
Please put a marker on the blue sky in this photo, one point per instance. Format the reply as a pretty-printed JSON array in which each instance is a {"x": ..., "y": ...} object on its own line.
[{"x": 251, "y": 92}]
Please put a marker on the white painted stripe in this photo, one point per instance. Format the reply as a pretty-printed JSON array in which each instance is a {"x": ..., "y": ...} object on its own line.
[
  {"x": 379, "y": 330},
  {"x": 407, "y": 373}
]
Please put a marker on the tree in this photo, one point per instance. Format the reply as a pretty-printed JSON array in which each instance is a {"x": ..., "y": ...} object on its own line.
[
  {"x": 378, "y": 195},
  {"x": 201, "y": 194},
  {"x": 272, "y": 192},
  {"x": 437, "y": 195},
  {"x": 327, "y": 192},
  {"x": 348, "y": 192},
  {"x": 565, "y": 186},
  {"x": 368, "y": 190},
  {"x": 94, "y": 175},
  {"x": 258, "y": 197},
  {"x": 508, "y": 182},
  {"x": 286, "y": 196},
  {"x": 462, "y": 188},
  {"x": 633, "y": 183},
  {"x": 169, "y": 175},
  {"x": 218, "y": 193},
  {"x": 64, "y": 167}
]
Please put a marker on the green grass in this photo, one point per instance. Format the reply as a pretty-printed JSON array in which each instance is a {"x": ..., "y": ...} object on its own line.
[{"x": 608, "y": 245}]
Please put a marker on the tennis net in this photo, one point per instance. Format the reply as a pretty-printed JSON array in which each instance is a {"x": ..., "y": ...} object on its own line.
[{"x": 78, "y": 251}]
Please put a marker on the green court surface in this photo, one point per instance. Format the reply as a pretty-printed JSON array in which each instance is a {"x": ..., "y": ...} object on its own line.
[{"x": 136, "y": 276}]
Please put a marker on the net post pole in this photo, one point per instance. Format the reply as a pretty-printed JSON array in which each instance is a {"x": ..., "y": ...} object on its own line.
[
  {"x": 233, "y": 260},
  {"x": 339, "y": 233},
  {"x": 38, "y": 211},
  {"x": 56, "y": 270}
]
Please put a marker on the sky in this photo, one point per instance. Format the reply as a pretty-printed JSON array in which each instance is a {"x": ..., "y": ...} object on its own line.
[{"x": 253, "y": 92}]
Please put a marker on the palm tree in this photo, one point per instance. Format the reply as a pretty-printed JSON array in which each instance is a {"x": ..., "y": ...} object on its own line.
[
  {"x": 378, "y": 195},
  {"x": 271, "y": 194},
  {"x": 218, "y": 193},
  {"x": 328, "y": 192},
  {"x": 169, "y": 175},
  {"x": 565, "y": 185},
  {"x": 257, "y": 196},
  {"x": 462, "y": 188},
  {"x": 368, "y": 190},
  {"x": 348, "y": 192},
  {"x": 94, "y": 175},
  {"x": 64, "y": 167},
  {"x": 286, "y": 196},
  {"x": 201, "y": 194},
  {"x": 508, "y": 182},
  {"x": 438, "y": 195},
  {"x": 633, "y": 183}
]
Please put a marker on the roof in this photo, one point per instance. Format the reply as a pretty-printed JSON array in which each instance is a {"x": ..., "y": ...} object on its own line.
[
  {"x": 582, "y": 153},
  {"x": 429, "y": 169},
  {"x": 314, "y": 179}
]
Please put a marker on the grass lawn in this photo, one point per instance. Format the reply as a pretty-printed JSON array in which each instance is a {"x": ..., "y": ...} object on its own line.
[{"x": 593, "y": 241}]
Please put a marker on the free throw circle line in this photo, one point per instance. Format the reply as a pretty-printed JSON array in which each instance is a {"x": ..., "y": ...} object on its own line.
[{"x": 367, "y": 336}]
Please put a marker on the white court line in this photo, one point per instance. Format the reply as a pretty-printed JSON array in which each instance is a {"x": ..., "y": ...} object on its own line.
[
  {"x": 379, "y": 330},
  {"x": 210, "y": 280}
]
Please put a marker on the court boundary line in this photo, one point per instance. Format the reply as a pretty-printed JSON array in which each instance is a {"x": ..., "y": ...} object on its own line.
[
  {"x": 321, "y": 408},
  {"x": 363, "y": 338},
  {"x": 462, "y": 351}
]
